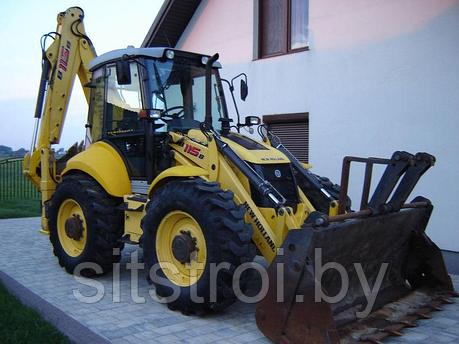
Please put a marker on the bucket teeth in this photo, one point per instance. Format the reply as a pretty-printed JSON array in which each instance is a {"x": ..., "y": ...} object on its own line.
[
  {"x": 445, "y": 300},
  {"x": 369, "y": 339},
  {"x": 423, "y": 315},
  {"x": 393, "y": 332},
  {"x": 436, "y": 308},
  {"x": 408, "y": 323}
]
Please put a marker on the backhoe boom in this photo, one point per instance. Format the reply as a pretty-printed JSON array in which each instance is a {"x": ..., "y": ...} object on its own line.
[{"x": 69, "y": 55}]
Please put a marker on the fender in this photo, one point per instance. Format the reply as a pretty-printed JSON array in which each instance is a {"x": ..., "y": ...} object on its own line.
[
  {"x": 103, "y": 163},
  {"x": 177, "y": 172}
]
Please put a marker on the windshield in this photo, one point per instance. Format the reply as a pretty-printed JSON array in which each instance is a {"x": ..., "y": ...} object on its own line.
[{"x": 177, "y": 88}]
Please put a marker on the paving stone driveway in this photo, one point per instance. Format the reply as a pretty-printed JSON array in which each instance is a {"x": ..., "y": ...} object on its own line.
[{"x": 25, "y": 256}]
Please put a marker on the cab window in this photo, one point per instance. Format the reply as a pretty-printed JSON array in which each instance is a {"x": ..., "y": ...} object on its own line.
[
  {"x": 178, "y": 91},
  {"x": 96, "y": 109},
  {"x": 123, "y": 103}
]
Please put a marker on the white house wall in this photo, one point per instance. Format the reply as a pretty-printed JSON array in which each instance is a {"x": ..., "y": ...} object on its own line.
[{"x": 380, "y": 76}]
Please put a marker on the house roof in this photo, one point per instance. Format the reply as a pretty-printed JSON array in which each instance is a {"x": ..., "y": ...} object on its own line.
[{"x": 170, "y": 23}]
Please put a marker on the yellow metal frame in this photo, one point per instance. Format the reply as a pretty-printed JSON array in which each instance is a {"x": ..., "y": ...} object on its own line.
[{"x": 133, "y": 213}]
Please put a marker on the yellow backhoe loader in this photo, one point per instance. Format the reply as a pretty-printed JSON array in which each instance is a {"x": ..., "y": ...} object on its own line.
[{"x": 164, "y": 167}]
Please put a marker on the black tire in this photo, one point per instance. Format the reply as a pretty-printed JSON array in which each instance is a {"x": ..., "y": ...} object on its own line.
[
  {"x": 104, "y": 220},
  {"x": 227, "y": 235}
]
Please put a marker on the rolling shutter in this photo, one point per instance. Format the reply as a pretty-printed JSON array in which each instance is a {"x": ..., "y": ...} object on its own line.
[{"x": 293, "y": 130}]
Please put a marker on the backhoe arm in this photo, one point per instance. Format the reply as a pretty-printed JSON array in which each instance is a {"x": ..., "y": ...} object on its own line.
[{"x": 69, "y": 55}]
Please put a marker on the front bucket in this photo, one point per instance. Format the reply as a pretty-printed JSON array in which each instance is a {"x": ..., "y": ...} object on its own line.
[{"x": 323, "y": 280}]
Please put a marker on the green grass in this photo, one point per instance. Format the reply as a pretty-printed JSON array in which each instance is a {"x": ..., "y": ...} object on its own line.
[
  {"x": 18, "y": 198},
  {"x": 21, "y": 324},
  {"x": 19, "y": 208}
]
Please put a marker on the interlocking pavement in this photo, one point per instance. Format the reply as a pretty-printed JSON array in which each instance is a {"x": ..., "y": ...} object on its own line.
[{"x": 27, "y": 260}]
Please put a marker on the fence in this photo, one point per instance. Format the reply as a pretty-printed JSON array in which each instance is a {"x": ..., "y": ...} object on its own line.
[{"x": 13, "y": 184}]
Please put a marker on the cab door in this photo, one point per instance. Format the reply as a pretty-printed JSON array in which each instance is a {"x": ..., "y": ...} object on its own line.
[{"x": 123, "y": 126}]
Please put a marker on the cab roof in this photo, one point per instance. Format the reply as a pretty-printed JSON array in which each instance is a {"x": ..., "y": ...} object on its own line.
[{"x": 114, "y": 55}]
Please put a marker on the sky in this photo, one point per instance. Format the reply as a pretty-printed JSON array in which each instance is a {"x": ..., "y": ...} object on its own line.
[{"x": 110, "y": 25}]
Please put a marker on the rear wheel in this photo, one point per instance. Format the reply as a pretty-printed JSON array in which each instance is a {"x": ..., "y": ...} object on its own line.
[
  {"x": 85, "y": 225},
  {"x": 189, "y": 225}
]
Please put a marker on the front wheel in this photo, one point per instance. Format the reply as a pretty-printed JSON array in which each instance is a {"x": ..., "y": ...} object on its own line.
[{"x": 192, "y": 226}]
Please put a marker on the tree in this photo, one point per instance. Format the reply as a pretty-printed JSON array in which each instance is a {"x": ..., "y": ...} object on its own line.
[{"x": 5, "y": 150}]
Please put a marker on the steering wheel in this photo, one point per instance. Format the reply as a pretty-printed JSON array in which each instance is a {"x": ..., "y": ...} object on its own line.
[{"x": 176, "y": 115}]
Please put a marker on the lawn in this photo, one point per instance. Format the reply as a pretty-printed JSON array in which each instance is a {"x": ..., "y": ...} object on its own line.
[
  {"x": 18, "y": 198},
  {"x": 20, "y": 324},
  {"x": 19, "y": 208}
]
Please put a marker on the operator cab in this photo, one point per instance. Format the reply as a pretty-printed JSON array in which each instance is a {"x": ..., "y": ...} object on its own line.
[{"x": 140, "y": 94}]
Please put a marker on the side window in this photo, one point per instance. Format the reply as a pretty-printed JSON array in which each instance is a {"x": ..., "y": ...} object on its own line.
[
  {"x": 282, "y": 27},
  {"x": 96, "y": 110},
  {"x": 124, "y": 103}
]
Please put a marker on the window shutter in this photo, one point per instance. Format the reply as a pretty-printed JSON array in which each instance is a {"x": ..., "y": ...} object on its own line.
[{"x": 293, "y": 131}]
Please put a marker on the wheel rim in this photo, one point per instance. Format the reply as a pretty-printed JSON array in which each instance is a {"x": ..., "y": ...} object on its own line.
[
  {"x": 173, "y": 234},
  {"x": 71, "y": 227}
]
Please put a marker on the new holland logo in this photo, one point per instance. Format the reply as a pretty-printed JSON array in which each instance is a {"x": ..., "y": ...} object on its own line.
[
  {"x": 277, "y": 173},
  {"x": 260, "y": 227}
]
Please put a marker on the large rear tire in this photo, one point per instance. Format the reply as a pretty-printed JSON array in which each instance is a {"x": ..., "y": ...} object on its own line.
[
  {"x": 191, "y": 222},
  {"x": 85, "y": 225}
]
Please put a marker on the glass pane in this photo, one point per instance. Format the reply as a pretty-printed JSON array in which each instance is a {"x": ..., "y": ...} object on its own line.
[
  {"x": 199, "y": 105},
  {"x": 299, "y": 24},
  {"x": 272, "y": 27},
  {"x": 178, "y": 90},
  {"x": 123, "y": 103},
  {"x": 96, "y": 111}
]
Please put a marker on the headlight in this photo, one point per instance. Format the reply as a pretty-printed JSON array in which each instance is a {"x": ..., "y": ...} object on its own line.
[
  {"x": 252, "y": 120},
  {"x": 204, "y": 60},
  {"x": 170, "y": 54}
]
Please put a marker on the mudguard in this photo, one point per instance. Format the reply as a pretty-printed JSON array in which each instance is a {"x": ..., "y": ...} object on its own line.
[
  {"x": 176, "y": 172},
  {"x": 103, "y": 163}
]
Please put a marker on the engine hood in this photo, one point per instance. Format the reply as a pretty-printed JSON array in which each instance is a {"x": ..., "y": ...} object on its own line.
[{"x": 253, "y": 151}]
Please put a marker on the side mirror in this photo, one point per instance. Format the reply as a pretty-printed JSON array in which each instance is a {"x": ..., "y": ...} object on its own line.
[
  {"x": 244, "y": 90},
  {"x": 252, "y": 120},
  {"x": 123, "y": 72}
]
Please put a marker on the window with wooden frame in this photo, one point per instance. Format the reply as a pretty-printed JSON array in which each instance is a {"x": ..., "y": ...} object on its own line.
[{"x": 281, "y": 27}]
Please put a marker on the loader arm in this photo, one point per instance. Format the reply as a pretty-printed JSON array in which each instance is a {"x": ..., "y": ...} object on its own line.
[{"x": 69, "y": 55}]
